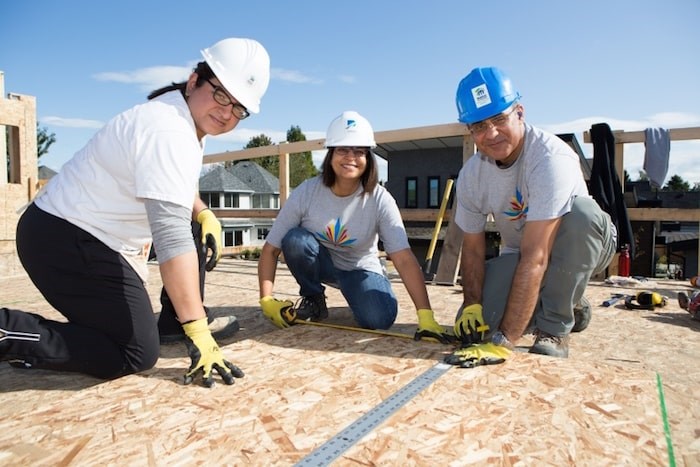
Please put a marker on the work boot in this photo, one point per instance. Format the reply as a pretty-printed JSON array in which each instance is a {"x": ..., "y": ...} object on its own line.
[
  {"x": 582, "y": 315},
  {"x": 547, "y": 344},
  {"x": 313, "y": 308},
  {"x": 221, "y": 327},
  {"x": 683, "y": 300}
]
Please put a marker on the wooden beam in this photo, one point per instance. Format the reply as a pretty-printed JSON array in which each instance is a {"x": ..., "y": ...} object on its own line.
[
  {"x": 424, "y": 215},
  {"x": 664, "y": 214},
  {"x": 388, "y": 136},
  {"x": 425, "y": 132},
  {"x": 676, "y": 134},
  {"x": 284, "y": 176}
]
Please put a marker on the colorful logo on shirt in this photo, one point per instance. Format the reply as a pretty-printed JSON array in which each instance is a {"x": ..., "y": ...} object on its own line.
[
  {"x": 518, "y": 207},
  {"x": 337, "y": 234}
]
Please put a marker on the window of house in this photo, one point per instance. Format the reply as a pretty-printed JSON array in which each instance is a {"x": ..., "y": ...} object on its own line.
[
  {"x": 262, "y": 233},
  {"x": 262, "y": 201},
  {"x": 228, "y": 238},
  {"x": 11, "y": 152},
  {"x": 433, "y": 192},
  {"x": 233, "y": 237},
  {"x": 411, "y": 192},
  {"x": 231, "y": 200},
  {"x": 211, "y": 199}
]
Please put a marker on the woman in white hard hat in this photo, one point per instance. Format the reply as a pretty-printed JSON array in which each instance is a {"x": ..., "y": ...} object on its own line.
[
  {"x": 84, "y": 241},
  {"x": 328, "y": 231}
]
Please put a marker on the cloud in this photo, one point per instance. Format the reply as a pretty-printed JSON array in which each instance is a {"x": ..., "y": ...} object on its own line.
[
  {"x": 663, "y": 120},
  {"x": 71, "y": 122},
  {"x": 157, "y": 76},
  {"x": 347, "y": 79},
  {"x": 293, "y": 76},
  {"x": 147, "y": 78}
]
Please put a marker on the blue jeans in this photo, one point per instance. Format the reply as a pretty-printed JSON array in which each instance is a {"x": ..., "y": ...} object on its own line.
[{"x": 369, "y": 294}]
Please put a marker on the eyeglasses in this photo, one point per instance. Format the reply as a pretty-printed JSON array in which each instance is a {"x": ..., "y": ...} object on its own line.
[
  {"x": 343, "y": 151},
  {"x": 222, "y": 98},
  {"x": 499, "y": 121}
]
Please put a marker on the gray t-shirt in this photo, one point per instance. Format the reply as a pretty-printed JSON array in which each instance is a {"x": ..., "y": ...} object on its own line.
[
  {"x": 542, "y": 184},
  {"x": 348, "y": 226}
]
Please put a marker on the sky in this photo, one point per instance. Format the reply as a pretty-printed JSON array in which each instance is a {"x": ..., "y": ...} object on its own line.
[{"x": 633, "y": 64}]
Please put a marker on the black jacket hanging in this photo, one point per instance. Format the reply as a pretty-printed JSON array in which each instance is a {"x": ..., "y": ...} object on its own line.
[{"x": 605, "y": 184}]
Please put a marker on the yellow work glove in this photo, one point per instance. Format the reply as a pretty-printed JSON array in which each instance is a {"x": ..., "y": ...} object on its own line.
[
  {"x": 470, "y": 327},
  {"x": 430, "y": 329},
  {"x": 211, "y": 236},
  {"x": 481, "y": 354},
  {"x": 280, "y": 312},
  {"x": 206, "y": 355}
]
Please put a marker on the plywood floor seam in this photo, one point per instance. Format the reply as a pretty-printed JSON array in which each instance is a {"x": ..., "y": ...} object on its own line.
[{"x": 305, "y": 384}]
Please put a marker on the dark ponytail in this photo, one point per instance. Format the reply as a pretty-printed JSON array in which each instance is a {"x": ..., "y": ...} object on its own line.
[{"x": 203, "y": 73}]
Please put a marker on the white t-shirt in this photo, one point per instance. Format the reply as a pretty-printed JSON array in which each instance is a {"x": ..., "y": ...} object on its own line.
[
  {"x": 542, "y": 184},
  {"x": 348, "y": 226},
  {"x": 148, "y": 151}
]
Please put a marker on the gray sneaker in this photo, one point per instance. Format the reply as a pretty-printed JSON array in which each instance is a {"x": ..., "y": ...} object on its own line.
[
  {"x": 547, "y": 344},
  {"x": 312, "y": 308},
  {"x": 582, "y": 315}
]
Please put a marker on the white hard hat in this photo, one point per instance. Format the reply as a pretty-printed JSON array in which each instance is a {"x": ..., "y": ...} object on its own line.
[
  {"x": 350, "y": 129},
  {"x": 243, "y": 67}
]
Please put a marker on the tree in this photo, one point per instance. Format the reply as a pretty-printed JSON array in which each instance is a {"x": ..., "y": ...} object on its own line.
[
  {"x": 301, "y": 164},
  {"x": 44, "y": 140},
  {"x": 269, "y": 163},
  {"x": 676, "y": 183}
]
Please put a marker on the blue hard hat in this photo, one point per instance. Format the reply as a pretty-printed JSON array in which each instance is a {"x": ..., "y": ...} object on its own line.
[{"x": 483, "y": 93}]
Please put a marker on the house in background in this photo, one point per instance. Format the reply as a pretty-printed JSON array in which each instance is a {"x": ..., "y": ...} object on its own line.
[
  {"x": 245, "y": 185},
  {"x": 45, "y": 174}
]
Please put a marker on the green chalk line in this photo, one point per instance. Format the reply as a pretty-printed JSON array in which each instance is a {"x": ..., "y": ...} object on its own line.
[{"x": 664, "y": 415}]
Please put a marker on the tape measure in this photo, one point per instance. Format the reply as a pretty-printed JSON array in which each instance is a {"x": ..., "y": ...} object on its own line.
[{"x": 334, "y": 447}]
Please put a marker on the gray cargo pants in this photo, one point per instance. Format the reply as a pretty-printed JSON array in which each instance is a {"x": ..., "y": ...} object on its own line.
[{"x": 584, "y": 245}]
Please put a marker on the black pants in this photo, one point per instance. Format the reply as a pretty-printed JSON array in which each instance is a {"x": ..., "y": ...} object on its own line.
[
  {"x": 167, "y": 322},
  {"x": 111, "y": 329}
]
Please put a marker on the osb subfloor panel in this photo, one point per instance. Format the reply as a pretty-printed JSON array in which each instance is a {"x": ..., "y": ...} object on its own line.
[{"x": 303, "y": 385}]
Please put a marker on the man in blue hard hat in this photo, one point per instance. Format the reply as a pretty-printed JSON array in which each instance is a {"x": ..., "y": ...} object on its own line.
[{"x": 554, "y": 235}]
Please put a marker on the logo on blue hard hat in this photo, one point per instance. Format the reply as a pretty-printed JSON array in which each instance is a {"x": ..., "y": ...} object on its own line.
[{"x": 481, "y": 96}]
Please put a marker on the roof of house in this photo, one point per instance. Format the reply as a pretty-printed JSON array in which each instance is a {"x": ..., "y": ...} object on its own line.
[
  {"x": 244, "y": 176},
  {"x": 643, "y": 195},
  {"x": 45, "y": 173},
  {"x": 256, "y": 177},
  {"x": 219, "y": 179}
]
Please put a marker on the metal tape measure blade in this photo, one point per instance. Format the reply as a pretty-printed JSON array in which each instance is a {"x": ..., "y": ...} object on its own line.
[{"x": 334, "y": 447}]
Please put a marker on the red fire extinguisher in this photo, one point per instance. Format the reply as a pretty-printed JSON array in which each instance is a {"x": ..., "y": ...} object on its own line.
[{"x": 623, "y": 264}]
